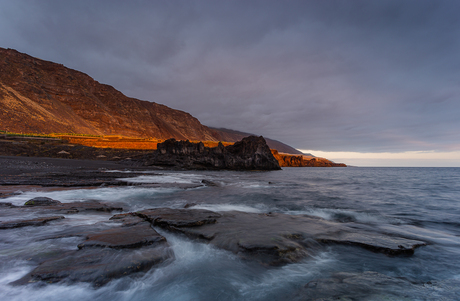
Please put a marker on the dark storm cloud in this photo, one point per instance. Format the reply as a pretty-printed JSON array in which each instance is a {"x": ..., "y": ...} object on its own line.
[{"x": 329, "y": 75}]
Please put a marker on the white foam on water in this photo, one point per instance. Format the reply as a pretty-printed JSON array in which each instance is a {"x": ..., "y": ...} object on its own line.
[
  {"x": 50, "y": 292},
  {"x": 229, "y": 207},
  {"x": 343, "y": 215},
  {"x": 171, "y": 178},
  {"x": 287, "y": 278},
  {"x": 87, "y": 218},
  {"x": 106, "y": 194}
]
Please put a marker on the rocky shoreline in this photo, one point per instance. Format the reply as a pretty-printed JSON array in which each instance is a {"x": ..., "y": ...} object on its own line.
[{"x": 128, "y": 243}]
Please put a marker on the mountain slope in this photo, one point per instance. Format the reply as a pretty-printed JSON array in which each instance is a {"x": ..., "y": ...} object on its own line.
[
  {"x": 233, "y": 136},
  {"x": 45, "y": 97}
]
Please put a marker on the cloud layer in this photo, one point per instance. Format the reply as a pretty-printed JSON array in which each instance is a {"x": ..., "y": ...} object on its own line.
[{"x": 363, "y": 76}]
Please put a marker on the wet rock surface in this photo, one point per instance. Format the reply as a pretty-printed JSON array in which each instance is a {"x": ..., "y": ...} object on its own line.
[
  {"x": 251, "y": 153},
  {"x": 174, "y": 218},
  {"x": 273, "y": 238},
  {"x": 371, "y": 285},
  {"x": 97, "y": 266},
  {"x": 122, "y": 246},
  {"x": 42, "y": 201},
  {"x": 126, "y": 243},
  {"x": 133, "y": 233},
  {"x": 40, "y": 221}
]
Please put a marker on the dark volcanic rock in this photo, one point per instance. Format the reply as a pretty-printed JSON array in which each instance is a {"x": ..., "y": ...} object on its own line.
[
  {"x": 273, "y": 238},
  {"x": 209, "y": 183},
  {"x": 97, "y": 266},
  {"x": 134, "y": 233},
  {"x": 251, "y": 153},
  {"x": 172, "y": 218},
  {"x": 41, "y": 221},
  {"x": 77, "y": 207},
  {"x": 41, "y": 201},
  {"x": 131, "y": 246},
  {"x": 62, "y": 208}
]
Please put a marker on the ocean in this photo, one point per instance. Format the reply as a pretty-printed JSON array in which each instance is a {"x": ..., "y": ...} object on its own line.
[{"x": 422, "y": 203}]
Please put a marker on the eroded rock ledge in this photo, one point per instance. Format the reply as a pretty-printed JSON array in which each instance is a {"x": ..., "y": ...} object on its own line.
[
  {"x": 273, "y": 238},
  {"x": 251, "y": 153},
  {"x": 127, "y": 243}
]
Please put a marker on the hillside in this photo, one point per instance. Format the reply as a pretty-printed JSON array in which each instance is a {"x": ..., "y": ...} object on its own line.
[
  {"x": 233, "y": 136},
  {"x": 44, "y": 97}
]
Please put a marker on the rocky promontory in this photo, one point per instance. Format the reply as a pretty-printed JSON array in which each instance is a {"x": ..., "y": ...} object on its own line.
[
  {"x": 251, "y": 153},
  {"x": 292, "y": 160}
]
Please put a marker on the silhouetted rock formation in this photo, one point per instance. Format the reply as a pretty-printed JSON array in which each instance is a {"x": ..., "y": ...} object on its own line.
[{"x": 251, "y": 153}]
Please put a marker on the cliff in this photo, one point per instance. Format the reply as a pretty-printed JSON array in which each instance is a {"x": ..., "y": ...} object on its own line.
[
  {"x": 289, "y": 160},
  {"x": 251, "y": 153},
  {"x": 44, "y": 97}
]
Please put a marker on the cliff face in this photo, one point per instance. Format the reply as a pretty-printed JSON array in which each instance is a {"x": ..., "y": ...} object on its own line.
[
  {"x": 44, "y": 97},
  {"x": 251, "y": 153},
  {"x": 288, "y": 160}
]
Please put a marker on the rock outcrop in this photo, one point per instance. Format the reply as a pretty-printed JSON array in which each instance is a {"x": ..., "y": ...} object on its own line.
[
  {"x": 251, "y": 153},
  {"x": 289, "y": 160},
  {"x": 39, "y": 221}
]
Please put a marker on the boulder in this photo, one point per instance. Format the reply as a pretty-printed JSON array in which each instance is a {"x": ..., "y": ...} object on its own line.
[{"x": 41, "y": 201}]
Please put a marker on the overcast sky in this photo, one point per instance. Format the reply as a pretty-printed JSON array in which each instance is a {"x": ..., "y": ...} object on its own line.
[{"x": 348, "y": 76}]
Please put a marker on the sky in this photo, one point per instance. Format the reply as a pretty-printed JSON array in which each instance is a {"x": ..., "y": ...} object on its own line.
[{"x": 375, "y": 83}]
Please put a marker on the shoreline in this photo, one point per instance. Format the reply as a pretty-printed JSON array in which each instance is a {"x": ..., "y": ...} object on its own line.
[{"x": 14, "y": 165}]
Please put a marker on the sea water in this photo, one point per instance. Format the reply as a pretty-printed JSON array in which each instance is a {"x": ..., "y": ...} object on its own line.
[{"x": 418, "y": 202}]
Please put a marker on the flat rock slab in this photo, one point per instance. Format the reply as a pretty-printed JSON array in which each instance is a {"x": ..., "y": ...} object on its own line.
[
  {"x": 131, "y": 246},
  {"x": 77, "y": 207},
  {"x": 40, "y": 221},
  {"x": 132, "y": 234},
  {"x": 166, "y": 217},
  {"x": 273, "y": 238},
  {"x": 74, "y": 207},
  {"x": 98, "y": 266}
]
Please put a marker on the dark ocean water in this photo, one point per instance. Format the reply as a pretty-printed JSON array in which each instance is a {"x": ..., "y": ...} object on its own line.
[{"x": 422, "y": 203}]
